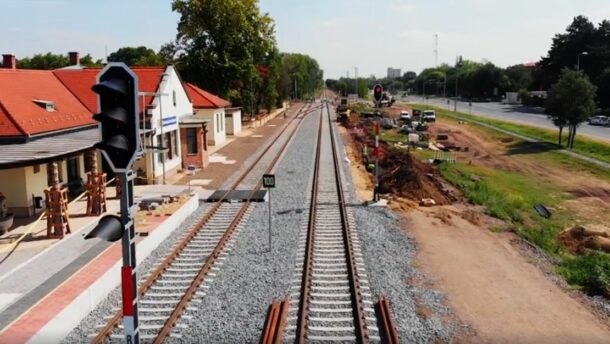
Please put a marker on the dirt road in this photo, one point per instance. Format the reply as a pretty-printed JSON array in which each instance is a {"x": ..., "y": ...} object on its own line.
[{"x": 491, "y": 286}]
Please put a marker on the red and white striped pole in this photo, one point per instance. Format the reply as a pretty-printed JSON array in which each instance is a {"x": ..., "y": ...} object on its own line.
[{"x": 377, "y": 155}]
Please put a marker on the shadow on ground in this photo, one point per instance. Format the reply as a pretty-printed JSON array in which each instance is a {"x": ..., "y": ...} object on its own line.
[
  {"x": 525, "y": 109},
  {"x": 531, "y": 148}
]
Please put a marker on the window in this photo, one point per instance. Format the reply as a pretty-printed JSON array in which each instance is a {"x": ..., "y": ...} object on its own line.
[
  {"x": 168, "y": 144},
  {"x": 161, "y": 154},
  {"x": 36, "y": 168},
  {"x": 217, "y": 123},
  {"x": 45, "y": 104},
  {"x": 175, "y": 142},
  {"x": 222, "y": 122},
  {"x": 191, "y": 141},
  {"x": 174, "y": 97}
]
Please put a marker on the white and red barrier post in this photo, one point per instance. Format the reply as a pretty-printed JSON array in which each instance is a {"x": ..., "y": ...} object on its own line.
[{"x": 377, "y": 156}]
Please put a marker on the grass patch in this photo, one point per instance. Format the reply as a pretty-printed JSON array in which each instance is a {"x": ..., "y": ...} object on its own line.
[
  {"x": 506, "y": 195},
  {"x": 510, "y": 196},
  {"x": 590, "y": 272},
  {"x": 583, "y": 145}
]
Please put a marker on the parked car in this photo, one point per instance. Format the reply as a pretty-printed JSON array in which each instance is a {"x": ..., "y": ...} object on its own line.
[
  {"x": 405, "y": 116},
  {"x": 599, "y": 120},
  {"x": 429, "y": 116}
]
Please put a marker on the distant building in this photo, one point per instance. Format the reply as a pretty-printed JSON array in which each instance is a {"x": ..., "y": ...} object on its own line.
[{"x": 394, "y": 73}]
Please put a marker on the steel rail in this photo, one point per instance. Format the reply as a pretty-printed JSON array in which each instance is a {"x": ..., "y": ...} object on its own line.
[
  {"x": 148, "y": 283},
  {"x": 356, "y": 293},
  {"x": 389, "y": 334},
  {"x": 307, "y": 279},
  {"x": 206, "y": 268}
]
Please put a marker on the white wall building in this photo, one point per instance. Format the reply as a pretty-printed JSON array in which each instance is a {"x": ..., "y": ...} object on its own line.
[
  {"x": 164, "y": 111},
  {"x": 212, "y": 109}
]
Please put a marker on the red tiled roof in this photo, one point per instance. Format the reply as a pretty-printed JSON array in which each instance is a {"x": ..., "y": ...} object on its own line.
[
  {"x": 80, "y": 81},
  {"x": 204, "y": 100},
  {"x": 7, "y": 127},
  {"x": 18, "y": 89}
]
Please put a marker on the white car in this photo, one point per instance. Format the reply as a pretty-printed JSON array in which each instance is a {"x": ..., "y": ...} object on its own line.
[
  {"x": 405, "y": 116},
  {"x": 599, "y": 120},
  {"x": 428, "y": 116}
]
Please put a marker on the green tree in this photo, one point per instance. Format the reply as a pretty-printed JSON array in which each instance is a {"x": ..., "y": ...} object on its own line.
[
  {"x": 363, "y": 89},
  {"x": 571, "y": 101},
  {"x": 137, "y": 56},
  {"x": 519, "y": 77},
  {"x": 580, "y": 36},
  {"x": 88, "y": 61},
  {"x": 51, "y": 61},
  {"x": 301, "y": 74},
  {"x": 603, "y": 88},
  {"x": 221, "y": 45},
  {"x": 44, "y": 61}
]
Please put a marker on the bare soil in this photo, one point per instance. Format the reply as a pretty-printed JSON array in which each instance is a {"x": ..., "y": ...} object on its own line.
[
  {"x": 492, "y": 286},
  {"x": 490, "y": 283}
]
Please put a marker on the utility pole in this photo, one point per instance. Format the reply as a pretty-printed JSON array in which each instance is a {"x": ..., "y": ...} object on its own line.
[
  {"x": 457, "y": 77},
  {"x": 162, "y": 124},
  {"x": 435, "y": 50},
  {"x": 356, "y": 82}
]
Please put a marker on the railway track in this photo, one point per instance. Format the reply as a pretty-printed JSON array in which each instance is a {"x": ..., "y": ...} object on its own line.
[
  {"x": 330, "y": 299},
  {"x": 186, "y": 273}
]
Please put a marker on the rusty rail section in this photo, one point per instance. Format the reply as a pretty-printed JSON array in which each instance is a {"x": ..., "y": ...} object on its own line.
[
  {"x": 276, "y": 322},
  {"x": 387, "y": 326},
  {"x": 114, "y": 321}
]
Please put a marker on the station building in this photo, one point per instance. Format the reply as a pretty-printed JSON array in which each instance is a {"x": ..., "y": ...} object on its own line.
[{"x": 46, "y": 117}]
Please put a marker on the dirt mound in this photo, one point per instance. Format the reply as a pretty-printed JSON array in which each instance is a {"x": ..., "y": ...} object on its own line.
[
  {"x": 408, "y": 177},
  {"x": 400, "y": 174},
  {"x": 578, "y": 239}
]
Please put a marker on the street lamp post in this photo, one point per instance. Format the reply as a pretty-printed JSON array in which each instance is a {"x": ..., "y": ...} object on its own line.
[
  {"x": 578, "y": 59},
  {"x": 457, "y": 77}
]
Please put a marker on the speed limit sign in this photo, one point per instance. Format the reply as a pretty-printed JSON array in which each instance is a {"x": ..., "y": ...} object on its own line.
[{"x": 268, "y": 180}]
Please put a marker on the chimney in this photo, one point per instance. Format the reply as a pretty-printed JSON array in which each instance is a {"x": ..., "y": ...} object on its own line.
[
  {"x": 9, "y": 62},
  {"x": 74, "y": 58}
]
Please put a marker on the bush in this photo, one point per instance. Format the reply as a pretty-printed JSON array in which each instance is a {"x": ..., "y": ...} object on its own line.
[{"x": 590, "y": 272}]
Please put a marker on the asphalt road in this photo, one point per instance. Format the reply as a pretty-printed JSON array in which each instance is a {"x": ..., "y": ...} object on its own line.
[{"x": 514, "y": 113}]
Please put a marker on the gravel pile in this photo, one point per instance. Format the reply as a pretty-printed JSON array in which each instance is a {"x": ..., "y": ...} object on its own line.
[
  {"x": 234, "y": 309},
  {"x": 113, "y": 302}
]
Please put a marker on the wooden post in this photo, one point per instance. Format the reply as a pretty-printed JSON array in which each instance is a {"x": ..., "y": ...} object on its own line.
[
  {"x": 96, "y": 187},
  {"x": 56, "y": 207}
]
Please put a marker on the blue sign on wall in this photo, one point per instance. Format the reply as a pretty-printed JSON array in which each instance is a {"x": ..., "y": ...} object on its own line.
[{"x": 167, "y": 121}]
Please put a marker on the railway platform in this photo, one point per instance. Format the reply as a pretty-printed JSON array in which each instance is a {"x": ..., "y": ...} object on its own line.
[{"x": 48, "y": 287}]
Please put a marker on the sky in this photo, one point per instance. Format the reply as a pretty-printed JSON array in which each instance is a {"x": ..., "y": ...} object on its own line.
[{"x": 340, "y": 34}]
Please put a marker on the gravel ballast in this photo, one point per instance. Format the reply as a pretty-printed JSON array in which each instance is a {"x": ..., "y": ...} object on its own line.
[
  {"x": 388, "y": 253},
  {"x": 234, "y": 310},
  {"x": 234, "y": 307},
  {"x": 112, "y": 303}
]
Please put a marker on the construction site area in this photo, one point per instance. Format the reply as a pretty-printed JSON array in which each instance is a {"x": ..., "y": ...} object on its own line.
[{"x": 492, "y": 214}]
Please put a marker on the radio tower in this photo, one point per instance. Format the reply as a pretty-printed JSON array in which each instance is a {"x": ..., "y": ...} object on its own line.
[{"x": 435, "y": 50}]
